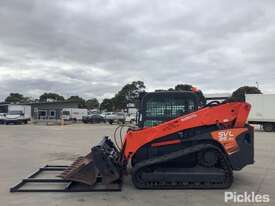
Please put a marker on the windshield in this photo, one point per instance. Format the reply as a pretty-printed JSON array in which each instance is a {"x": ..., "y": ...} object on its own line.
[{"x": 15, "y": 113}]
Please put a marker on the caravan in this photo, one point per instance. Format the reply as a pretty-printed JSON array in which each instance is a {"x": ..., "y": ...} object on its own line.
[{"x": 74, "y": 114}]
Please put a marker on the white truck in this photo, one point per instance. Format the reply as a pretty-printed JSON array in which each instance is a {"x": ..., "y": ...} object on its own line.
[
  {"x": 262, "y": 110},
  {"x": 18, "y": 114},
  {"x": 74, "y": 114}
]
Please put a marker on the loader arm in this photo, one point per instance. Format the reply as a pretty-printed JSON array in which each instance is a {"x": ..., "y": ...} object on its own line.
[{"x": 226, "y": 115}]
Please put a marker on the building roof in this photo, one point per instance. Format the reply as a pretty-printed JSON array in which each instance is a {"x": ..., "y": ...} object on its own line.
[
  {"x": 39, "y": 103},
  {"x": 57, "y": 102}
]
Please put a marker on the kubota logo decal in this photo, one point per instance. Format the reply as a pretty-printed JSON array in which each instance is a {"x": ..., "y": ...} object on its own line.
[{"x": 225, "y": 135}]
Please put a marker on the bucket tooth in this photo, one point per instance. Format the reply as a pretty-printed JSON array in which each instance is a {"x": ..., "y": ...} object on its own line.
[{"x": 81, "y": 170}]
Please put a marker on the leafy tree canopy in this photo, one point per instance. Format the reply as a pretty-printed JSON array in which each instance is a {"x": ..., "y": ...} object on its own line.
[
  {"x": 128, "y": 94},
  {"x": 239, "y": 94},
  {"x": 51, "y": 96},
  {"x": 92, "y": 103},
  {"x": 107, "y": 104},
  {"x": 16, "y": 98},
  {"x": 188, "y": 87},
  {"x": 163, "y": 90},
  {"x": 183, "y": 87},
  {"x": 80, "y": 100}
]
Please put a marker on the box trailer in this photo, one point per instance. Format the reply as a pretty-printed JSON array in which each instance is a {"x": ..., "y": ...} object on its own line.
[
  {"x": 18, "y": 114},
  {"x": 262, "y": 110}
]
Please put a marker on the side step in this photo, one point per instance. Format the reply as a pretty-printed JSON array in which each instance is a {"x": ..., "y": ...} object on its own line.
[{"x": 60, "y": 185}]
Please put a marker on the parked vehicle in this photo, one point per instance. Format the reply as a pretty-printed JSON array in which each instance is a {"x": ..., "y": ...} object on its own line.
[
  {"x": 93, "y": 111},
  {"x": 262, "y": 110},
  {"x": 131, "y": 118},
  {"x": 93, "y": 118},
  {"x": 105, "y": 114},
  {"x": 18, "y": 114},
  {"x": 74, "y": 114},
  {"x": 2, "y": 118},
  {"x": 118, "y": 117}
]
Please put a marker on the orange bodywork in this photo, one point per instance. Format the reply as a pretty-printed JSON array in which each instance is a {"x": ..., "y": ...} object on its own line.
[
  {"x": 229, "y": 115},
  {"x": 228, "y": 137}
]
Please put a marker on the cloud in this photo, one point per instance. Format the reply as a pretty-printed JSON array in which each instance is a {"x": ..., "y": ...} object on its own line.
[{"x": 91, "y": 48}]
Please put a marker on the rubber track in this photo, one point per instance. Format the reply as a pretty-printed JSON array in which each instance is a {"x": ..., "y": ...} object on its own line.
[{"x": 138, "y": 168}]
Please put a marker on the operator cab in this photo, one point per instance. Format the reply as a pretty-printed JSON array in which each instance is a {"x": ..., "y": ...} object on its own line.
[{"x": 158, "y": 107}]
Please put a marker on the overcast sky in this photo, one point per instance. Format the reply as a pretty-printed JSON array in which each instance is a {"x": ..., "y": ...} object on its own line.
[{"x": 92, "y": 48}]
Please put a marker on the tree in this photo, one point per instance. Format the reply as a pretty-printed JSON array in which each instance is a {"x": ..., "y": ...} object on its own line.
[
  {"x": 16, "y": 98},
  {"x": 80, "y": 100},
  {"x": 51, "y": 96},
  {"x": 239, "y": 94},
  {"x": 183, "y": 87},
  {"x": 107, "y": 105},
  {"x": 188, "y": 87},
  {"x": 128, "y": 94},
  {"x": 92, "y": 103}
]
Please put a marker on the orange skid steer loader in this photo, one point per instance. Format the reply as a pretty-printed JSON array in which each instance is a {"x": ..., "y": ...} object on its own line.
[{"x": 196, "y": 150}]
